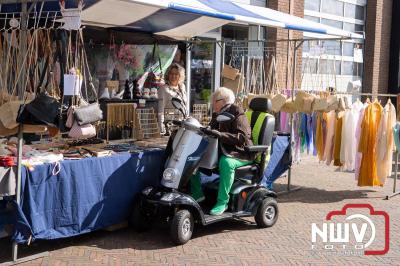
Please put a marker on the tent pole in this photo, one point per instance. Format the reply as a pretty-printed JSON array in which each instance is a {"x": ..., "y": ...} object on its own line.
[
  {"x": 188, "y": 73},
  {"x": 18, "y": 190},
  {"x": 296, "y": 46},
  {"x": 23, "y": 42}
]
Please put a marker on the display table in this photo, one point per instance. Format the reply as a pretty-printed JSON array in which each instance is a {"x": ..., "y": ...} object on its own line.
[{"x": 80, "y": 196}]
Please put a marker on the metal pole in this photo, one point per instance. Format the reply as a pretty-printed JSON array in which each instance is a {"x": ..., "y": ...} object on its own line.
[
  {"x": 23, "y": 42},
  {"x": 291, "y": 115},
  {"x": 188, "y": 74},
  {"x": 395, "y": 193},
  {"x": 18, "y": 190},
  {"x": 396, "y": 172}
]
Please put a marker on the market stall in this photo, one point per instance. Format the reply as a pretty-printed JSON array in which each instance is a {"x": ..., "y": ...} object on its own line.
[{"x": 83, "y": 190}]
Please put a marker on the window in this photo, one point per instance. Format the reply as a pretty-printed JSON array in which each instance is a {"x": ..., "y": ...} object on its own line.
[
  {"x": 347, "y": 68},
  {"x": 311, "y": 18},
  {"x": 332, "y": 23},
  {"x": 354, "y": 11},
  {"x": 309, "y": 65},
  {"x": 333, "y": 7},
  {"x": 329, "y": 67},
  {"x": 332, "y": 47},
  {"x": 357, "y": 69},
  {"x": 348, "y": 49},
  {"x": 312, "y": 5},
  {"x": 353, "y": 27}
]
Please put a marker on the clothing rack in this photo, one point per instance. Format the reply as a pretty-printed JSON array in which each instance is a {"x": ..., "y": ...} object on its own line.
[
  {"x": 395, "y": 192},
  {"x": 25, "y": 17}
]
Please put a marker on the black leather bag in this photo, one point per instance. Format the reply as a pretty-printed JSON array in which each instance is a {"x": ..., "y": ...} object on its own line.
[
  {"x": 43, "y": 110},
  {"x": 88, "y": 114}
]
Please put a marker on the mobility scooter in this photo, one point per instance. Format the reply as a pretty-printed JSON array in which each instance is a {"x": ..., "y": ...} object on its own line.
[{"x": 190, "y": 150}]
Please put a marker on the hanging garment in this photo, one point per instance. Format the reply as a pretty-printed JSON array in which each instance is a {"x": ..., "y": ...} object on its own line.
[
  {"x": 310, "y": 134},
  {"x": 320, "y": 135},
  {"x": 284, "y": 122},
  {"x": 330, "y": 132},
  {"x": 396, "y": 136},
  {"x": 349, "y": 143},
  {"x": 338, "y": 139},
  {"x": 296, "y": 137},
  {"x": 367, "y": 145},
  {"x": 385, "y": 143},
  {"x": 357, "y": 162},
  {"x": 314, "y": 132}
]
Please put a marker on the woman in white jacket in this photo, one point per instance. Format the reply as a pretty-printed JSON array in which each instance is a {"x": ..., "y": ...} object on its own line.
[{"x": 174, "y": 87}]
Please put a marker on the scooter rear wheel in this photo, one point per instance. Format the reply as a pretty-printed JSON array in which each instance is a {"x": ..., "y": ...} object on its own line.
[
  {"x": 267, "y": 213},
  {"x": 182, "y": 227}
]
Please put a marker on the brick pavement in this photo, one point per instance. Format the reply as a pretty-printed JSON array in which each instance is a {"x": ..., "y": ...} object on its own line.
[{"x": 236, "y": 242}]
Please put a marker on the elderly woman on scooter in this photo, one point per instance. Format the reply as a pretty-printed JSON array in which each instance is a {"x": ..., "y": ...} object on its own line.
[{"x": 232, "y": 137}]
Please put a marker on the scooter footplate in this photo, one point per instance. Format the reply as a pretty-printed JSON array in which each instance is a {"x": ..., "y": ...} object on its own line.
[{"x": 209, "y": 219}]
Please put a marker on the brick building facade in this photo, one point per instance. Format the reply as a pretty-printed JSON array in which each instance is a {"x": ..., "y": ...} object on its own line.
[{"x": 377, "y": 45}]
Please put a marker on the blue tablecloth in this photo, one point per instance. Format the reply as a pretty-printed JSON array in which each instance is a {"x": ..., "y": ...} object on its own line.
[
  {"x": 84, "y": 196},
  {"x": 94, "y": 193}
]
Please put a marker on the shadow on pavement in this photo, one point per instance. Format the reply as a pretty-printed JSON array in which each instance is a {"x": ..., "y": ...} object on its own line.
[
  {"x": 315, "y": 195},
  {"x": 154, "y": 239}
]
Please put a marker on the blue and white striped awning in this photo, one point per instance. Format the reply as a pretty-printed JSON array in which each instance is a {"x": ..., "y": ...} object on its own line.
[{"x": 182, "y": 19}]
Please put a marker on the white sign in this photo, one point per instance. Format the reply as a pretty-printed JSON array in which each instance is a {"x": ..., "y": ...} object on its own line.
[
  {"x": 72, "y": 84},
  {"x": 358, "y": 55}
]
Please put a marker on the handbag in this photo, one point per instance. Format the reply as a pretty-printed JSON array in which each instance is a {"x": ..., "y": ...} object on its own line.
[
  {"x": 44, "y": 109},
  {"x": 88, "y": 114},
  {"x": 82, "y": 132}
]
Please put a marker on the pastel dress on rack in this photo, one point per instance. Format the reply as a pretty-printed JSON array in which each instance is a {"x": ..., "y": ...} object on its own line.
[
  {"x": 338, "y": 139},
  {"x": 385, "y": 142},
  {"x": 396, "y": 136},
  {"x": 348, "y": 145},
  {"x": 368, "y": 139},
  {"x": 330, "y": 133},
  {"x": 358, "y": 157}
]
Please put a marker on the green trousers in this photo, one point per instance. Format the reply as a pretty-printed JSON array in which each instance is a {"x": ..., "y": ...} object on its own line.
[{"x": 227, "y": 166}]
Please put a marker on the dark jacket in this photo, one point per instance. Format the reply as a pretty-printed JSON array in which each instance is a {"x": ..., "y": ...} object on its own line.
[{"x": 235, "y": 135}]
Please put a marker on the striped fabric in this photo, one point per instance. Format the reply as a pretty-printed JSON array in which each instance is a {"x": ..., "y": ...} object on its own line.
[{"x": 181, "y": 19}]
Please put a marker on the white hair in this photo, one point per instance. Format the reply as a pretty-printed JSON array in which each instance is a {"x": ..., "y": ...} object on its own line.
[{"x": 224, "y": 93}]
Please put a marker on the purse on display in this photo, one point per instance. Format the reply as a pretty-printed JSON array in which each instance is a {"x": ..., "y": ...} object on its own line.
[
  {"x": 88, "y": 114},
  {"x": 82, "y": 132},
  {"x": 44, "y": 109}
]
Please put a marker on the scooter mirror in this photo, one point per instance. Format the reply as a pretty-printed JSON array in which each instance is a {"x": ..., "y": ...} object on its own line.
[
  {"x": 177, "y": 103},
  {"x": 225, "y": 117}
]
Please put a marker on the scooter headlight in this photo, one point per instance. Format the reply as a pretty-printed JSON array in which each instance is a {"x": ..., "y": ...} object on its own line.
[
  {"x": 170, "y": 196},
  {"x": 147, "y": 191},
  {"x": 170, "y": 174}
]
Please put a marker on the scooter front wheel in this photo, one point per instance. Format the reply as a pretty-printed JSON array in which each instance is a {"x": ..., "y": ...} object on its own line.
[
  {"x": 182, "y": 227},
  {"x": 267, "y": 213}
]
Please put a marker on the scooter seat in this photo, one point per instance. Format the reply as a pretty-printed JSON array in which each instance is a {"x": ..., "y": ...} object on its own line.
[{"x": 247, "y": 171}]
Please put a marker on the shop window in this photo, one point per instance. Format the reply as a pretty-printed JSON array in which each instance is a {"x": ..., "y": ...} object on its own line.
[
  {"x": 333, "y": 7},
  {"x": 354, "y": 11},
  {"x": 332, "y": 23},
  {"x": 202, "y": 73},
  {"x": 312, "y": 5}
]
